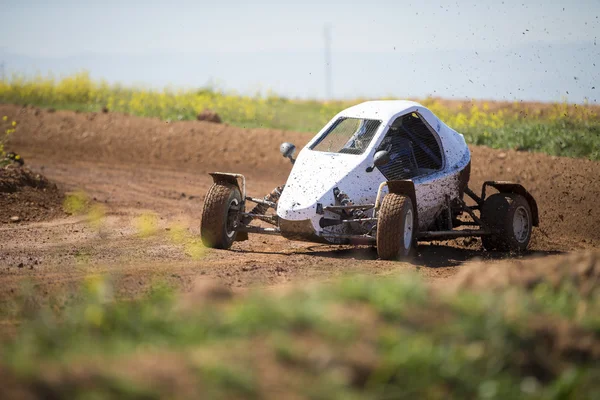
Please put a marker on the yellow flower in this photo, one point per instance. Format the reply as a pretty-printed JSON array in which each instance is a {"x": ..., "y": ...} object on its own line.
[
  {"x": 5, "y": 118},
  {"x": 14, "y": 123}
]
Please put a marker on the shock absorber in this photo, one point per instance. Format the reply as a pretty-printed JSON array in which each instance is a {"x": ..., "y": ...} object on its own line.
[
  {"x": 344, "y": 200},
  {"x": 273, "y": 197},
  {"x": 261, "y": 209}
]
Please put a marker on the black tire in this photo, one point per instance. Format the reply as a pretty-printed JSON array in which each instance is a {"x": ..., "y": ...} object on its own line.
[
  {"x": 508, "y": 215},
  {"x": 220, "y": 215},
  {"x": 395, "y": 213}
]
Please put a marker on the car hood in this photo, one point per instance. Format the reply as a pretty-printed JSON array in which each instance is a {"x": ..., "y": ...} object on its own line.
[{"x": 312, "y": 180}]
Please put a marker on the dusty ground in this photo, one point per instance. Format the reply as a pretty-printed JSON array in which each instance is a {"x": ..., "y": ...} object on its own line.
[{"x": 136, "y": 167}]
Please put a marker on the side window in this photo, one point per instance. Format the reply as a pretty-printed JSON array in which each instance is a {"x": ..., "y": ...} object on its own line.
[{"x": 413, "y": 148}]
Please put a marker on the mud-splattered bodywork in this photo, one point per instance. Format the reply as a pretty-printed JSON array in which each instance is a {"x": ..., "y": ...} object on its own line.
[{"x": 315, "y": 175}]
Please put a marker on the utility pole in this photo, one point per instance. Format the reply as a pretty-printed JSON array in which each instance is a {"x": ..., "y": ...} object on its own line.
[{"x": 328, "y": 83}]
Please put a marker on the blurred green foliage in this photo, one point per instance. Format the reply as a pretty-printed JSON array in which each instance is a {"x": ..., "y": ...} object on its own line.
[{"x": 374, "y": 338}]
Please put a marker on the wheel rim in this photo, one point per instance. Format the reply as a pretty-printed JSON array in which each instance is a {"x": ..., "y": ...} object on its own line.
[
  {"x": 408, "y": 229},
  {"x": 232, "y": 213},
  {"x": 521, "y": 224}
]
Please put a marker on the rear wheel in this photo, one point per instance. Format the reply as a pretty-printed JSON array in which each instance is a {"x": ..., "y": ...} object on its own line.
[
  {"x": 508, "y": 215},
  {"x": 396, "y": 227},
  {"x": 220, "y": 215}
]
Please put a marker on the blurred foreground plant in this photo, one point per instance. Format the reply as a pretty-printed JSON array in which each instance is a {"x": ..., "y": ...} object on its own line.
[
  {"x": 79, "y": 203},
  {"x": 193, "y": 246},
  {"x": 362, "y": 337}
]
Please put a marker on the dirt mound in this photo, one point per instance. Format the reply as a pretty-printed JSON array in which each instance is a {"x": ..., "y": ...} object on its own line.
[
  {"x": 117, "y": 138},
  {"x": 579, "y": 270},
  {"x": 210, "y": 116},
  {"x": 27, "y": 196},
  {"x": 566, "y": 190},
  {"x": 553, "y": 342}
]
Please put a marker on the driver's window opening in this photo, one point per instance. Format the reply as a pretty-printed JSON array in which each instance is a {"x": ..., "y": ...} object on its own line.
[
  {"x": 348, "y": 135},
  {"x": 413, "y": 149}
]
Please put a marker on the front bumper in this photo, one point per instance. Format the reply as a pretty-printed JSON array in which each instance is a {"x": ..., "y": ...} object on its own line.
[{"x": 299, "y": 230}]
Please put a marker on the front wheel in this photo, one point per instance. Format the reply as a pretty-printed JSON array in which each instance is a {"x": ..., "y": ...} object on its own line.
[
  {"x": 508, "y": 215},
  {"x": 396, "y": 227},
  {"x": 220, "y": 215}
]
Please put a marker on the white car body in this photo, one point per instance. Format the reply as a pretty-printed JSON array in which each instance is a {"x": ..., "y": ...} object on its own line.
[
  {"x": 316, "y": 173},
  {"x": 387, "y": 173}
]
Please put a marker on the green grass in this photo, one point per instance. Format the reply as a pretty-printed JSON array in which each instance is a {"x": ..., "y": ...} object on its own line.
[
  {"x": 560, "y": 138},
  {"x": 374, "y": 338}
]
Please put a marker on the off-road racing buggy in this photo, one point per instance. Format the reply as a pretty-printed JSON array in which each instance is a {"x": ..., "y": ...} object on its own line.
[{"x": 388, "y": 173}]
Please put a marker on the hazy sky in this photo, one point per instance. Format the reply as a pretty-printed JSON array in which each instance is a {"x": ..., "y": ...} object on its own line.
[{"x": 279, "y": 45}]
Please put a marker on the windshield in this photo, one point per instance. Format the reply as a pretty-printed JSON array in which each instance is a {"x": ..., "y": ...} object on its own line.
[{"x": 347, "y": 135}]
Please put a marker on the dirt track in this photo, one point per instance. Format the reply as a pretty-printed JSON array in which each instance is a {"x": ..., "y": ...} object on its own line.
[{"x": 136, "y": 166}]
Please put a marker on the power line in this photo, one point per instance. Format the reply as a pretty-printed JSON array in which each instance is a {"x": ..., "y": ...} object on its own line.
[{"x": 328, "y": 74}]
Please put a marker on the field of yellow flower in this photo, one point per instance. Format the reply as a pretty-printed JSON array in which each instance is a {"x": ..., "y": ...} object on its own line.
[
  {"x": 554, "y": 128},
  {"x": 7, "y": 128}
]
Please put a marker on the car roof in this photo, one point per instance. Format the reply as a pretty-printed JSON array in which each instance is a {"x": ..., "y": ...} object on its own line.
[{"x": 379, "y": 109}]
